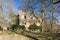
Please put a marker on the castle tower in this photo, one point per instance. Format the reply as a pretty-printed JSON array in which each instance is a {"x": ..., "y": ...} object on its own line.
[{"x": 28, "y": 19}]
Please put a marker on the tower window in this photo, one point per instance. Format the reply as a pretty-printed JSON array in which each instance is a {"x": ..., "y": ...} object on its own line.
[
  {"x": 25, "y": 23},
  {"x": 25, "y": 16}
]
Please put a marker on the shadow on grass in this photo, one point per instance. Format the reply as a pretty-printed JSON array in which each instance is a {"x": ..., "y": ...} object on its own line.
[{"x": 26, "y": 35}]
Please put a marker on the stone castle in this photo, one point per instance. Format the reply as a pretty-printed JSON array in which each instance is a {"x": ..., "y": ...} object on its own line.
[{"x": 27, "y": 19}]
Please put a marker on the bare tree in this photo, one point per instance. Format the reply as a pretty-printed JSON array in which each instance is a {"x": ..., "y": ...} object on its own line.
[{"x": 47, "y": 10}]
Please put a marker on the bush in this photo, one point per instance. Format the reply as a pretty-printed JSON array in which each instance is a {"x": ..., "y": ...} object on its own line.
[
  {"x": 34, "y": 27},
  {"x": 22, "y": 27},
  {"x": 17, "y": 27}
]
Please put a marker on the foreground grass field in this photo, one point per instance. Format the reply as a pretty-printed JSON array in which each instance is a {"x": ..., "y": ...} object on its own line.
[
  {"x": 8, "y": 35},
  {"x": 41, "y": 36}
]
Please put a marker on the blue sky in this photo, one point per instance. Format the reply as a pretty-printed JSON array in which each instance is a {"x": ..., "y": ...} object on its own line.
[{"x": 18, "y": 3}]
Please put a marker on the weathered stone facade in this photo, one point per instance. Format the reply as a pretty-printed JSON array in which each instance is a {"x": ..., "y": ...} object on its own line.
[{"x": 28, "y": 19}]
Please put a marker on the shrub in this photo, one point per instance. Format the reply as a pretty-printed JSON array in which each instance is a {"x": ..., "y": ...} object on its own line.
[
  {"x": 34, "y": 27},
  {"x": 17, "y": 27},
  {"x": 21, "y": 27}
]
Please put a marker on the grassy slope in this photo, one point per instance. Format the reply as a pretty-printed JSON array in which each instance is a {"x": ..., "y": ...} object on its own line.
[{"x": 8, "y": 35}]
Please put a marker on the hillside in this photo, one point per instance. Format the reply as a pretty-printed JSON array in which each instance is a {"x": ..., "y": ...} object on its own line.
[{"x": 12, "y": 36}]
